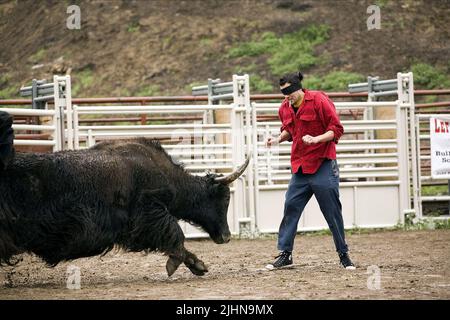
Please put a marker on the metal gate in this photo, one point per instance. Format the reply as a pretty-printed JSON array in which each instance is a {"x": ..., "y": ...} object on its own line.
[
  {"x": 380, "y": 180},
  {"x": 51, "y": 121},
  {"x": 375, "y": 172}
]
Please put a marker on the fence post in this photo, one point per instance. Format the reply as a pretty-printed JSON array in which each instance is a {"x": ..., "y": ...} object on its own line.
[
  {"x": 419, "y": 169},
  {"x": 33, "y": 94},
  {"x": 245, "y": 88},
  {"x": 238, "y": 156},
  {"x": 58, "y": 114},
  {"x": 75, "y": 128},
  {"x": 68, "y": 97},
  {"x": 368, "y": 112},
  {"x": 415, "y": 146},
  {"x": 243, "y": 138},
  {"x": 403, "y": 145},
  {"x": 255, "y": 166}
]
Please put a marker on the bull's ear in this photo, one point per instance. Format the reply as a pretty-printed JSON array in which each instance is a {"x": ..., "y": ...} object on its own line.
[
  {"x": 211, "y": 177},
  {"x": 218, "y": 187}
]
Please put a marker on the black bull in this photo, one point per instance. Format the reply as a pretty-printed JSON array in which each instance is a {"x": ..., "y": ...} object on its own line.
[{"x": 72, "y": 204}]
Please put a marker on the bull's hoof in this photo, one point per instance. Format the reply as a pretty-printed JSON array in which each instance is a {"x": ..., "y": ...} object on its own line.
[
  {"x": 172, "y": 265},
  {"x": 196, "y": 266}
]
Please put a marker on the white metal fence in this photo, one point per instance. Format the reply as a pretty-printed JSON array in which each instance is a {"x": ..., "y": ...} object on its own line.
[
  {"x": 371, "y": 178},
  {"x": 51, "y": 121},
  {"x": 51, "y": 125},
  {"x": 377, "y": 171},
  {"x": 200, "y": 145}
]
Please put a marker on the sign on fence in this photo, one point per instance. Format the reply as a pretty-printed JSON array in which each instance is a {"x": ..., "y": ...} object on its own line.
[{"x": 440, "y": 147}]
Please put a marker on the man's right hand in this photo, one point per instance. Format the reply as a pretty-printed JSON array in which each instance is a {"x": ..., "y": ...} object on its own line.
[{"x": 271, "y": 141}]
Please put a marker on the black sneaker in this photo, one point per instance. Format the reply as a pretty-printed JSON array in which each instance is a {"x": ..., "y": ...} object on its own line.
[
  {"x": 346, "y": 262},
  {"x": 284, "y": 259}
]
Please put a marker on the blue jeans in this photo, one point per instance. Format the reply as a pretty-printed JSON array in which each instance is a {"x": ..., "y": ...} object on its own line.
[{"x": 324, "y": 184}]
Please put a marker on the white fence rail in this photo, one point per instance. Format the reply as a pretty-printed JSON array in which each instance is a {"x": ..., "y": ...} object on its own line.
[{"x": 51, "y": 126}]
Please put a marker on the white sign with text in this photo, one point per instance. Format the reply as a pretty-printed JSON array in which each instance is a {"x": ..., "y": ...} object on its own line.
[{"x": 440, "y": 147}]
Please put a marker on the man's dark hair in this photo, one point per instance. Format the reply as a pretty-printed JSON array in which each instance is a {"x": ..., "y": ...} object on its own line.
[{"x": 292, "y": 78}]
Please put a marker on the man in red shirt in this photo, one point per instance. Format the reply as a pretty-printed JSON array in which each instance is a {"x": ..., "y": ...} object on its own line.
[{"x": 310, "y": 121}]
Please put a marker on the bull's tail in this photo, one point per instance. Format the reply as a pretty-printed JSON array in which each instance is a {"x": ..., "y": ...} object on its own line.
[{"x": 6, "y": 139}]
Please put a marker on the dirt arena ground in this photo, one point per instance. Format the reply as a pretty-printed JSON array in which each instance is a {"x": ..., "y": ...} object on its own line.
[{"x": 412, "y": 265}]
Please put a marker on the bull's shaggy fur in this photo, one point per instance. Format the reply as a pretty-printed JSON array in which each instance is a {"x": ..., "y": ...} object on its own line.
[{"x": 73, "y": 204}]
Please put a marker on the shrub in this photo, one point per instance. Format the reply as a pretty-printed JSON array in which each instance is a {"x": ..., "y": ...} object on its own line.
[
  {"x": 430, "y": 77},
  {"x": 334, "y": 81},
  {"x": 260, "y": 85},
  {"x": 293, "y": 51}
]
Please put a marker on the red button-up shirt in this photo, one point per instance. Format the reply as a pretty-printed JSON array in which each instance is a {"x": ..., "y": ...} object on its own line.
[{"x": 315, "y": 116}]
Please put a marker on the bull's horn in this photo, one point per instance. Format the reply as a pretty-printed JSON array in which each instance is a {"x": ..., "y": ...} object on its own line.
[{"x": 236, "y": 174}]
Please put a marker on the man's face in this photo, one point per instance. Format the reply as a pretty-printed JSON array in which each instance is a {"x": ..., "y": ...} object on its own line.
[{"x": 294, "y": 96}]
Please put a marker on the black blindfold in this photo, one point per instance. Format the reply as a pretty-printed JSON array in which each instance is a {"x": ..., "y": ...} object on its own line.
[{"x": 292, "y": 88}]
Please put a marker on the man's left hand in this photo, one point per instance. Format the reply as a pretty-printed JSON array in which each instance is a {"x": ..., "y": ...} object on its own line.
[{"x": 307, "y": 139}]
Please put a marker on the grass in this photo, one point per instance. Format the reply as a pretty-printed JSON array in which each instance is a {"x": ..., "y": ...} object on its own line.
[
  {"x": 434, "y": 190},
  {"x": 429, "y": 99},
  {"x": 260, "y": 85},
  {"x": 292, "y": 51},
  {"x": 188, "y": 88},
  {"x": 82, "y": 80},
  {"x": 260, "y": 45},
  {"x": 334, "y": 81},
  {"x": 133, "y": 27},
  {"x": 4, "y": 79},
  {"x": 296, "y": 51},
  {"x": 123, "y": 92},
  {"x": 381, "y": 3},
  {"x": 248, "y": 68},
  {"x": 166, "y": 42},
  {"x": 206, "y": 42},
  {"x": 38, "y": 56},
  {"x": 354, "y": 230},
  {"x": 423, "y": 224},
  {"x": 148, "y": 91},
  {"x": 426, "y": 224},
  {"x": 7, "y": 91},
  {"x": 430, "y": 77}
]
